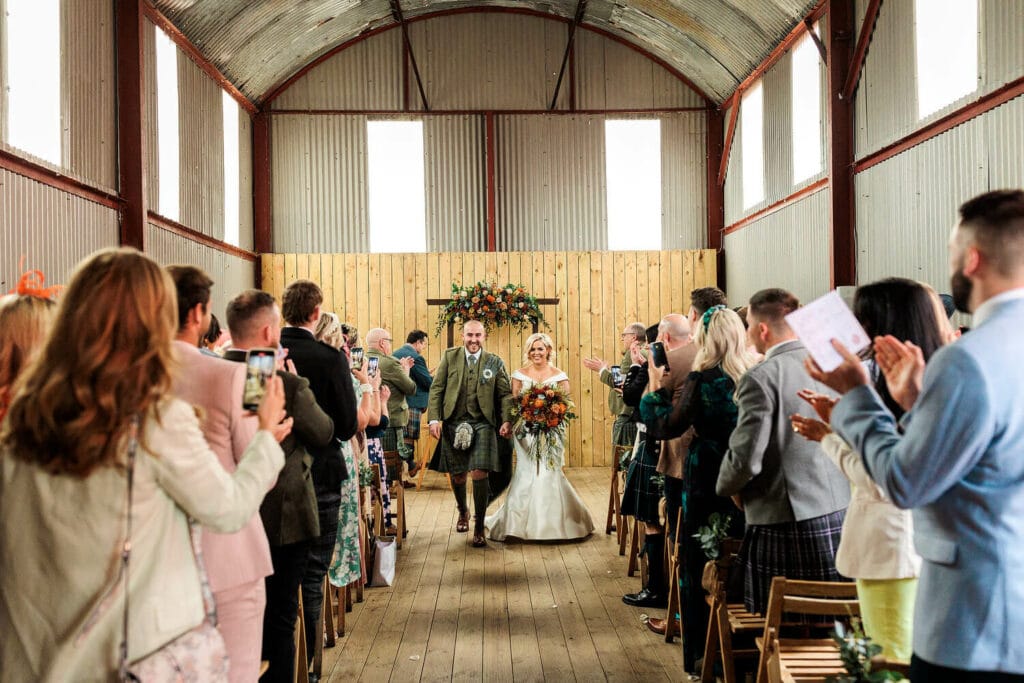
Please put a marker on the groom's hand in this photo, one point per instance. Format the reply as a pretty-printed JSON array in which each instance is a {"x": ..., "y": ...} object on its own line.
[
  {"x": 435, "y": 430},
  {"x": 506, "y": 429}
]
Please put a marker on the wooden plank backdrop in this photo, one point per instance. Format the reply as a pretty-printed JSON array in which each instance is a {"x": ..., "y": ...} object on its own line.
[{"x": 598, "y": 293}]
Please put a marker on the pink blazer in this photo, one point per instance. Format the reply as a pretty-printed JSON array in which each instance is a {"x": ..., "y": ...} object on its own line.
[{"x": 215, "y": 386}]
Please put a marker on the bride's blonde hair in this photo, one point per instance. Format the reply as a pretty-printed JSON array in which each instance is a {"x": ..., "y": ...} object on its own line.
[{"x": 541, "y": 337}]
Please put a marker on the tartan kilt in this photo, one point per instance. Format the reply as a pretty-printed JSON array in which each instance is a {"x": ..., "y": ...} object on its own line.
[
  {"x": 483, "y": 454},
  {"x": 412, "y": 428},
  {"x": 803, "y": 550},
  {"x": 623, "y": 431},
  {"x": 642, "y": 494},
  {"x": 389, "y": 439}
]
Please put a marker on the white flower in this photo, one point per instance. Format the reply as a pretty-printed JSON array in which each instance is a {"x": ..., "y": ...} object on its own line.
[
  {"x": 462, "y": 295},
  {"x": 488, "y": 373},
  {"x": 508, "y": 290}
]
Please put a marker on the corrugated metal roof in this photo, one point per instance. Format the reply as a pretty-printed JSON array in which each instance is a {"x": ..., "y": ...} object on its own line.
[{"x": 259, "y": 44}]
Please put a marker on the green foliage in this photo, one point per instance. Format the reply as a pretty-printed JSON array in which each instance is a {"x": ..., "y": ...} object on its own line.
[
  {"x": 856, "y": 651},
  {"x": 712, "y": 535},
  {"x": 493, "y": 305},
  {"x": 365, "y": 474}
]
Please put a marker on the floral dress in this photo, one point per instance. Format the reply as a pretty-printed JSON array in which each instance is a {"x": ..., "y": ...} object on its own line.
[
  {"x": 375, "y": 453},
  {"x": 347, "y": 564}
]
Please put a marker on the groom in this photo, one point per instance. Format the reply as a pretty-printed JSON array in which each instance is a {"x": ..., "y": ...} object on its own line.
[{"x": 471, "y": 395}]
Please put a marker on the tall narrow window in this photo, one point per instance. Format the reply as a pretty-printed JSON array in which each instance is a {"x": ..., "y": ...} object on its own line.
[
  {"x": 633, "y": 168},
  {"x": 231, "y": 198},
  {"x": 946, "y": 39},
  {"x": 806, "y": 110},
  {"x": 397, "y": 196},
  {"x": 167, "y": 126},
  {"x": 752, "y": 145},
  {"x": 33, "y": 77}
]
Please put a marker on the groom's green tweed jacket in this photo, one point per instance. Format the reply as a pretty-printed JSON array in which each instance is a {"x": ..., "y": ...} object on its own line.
[{"x": 494, "y": 390}]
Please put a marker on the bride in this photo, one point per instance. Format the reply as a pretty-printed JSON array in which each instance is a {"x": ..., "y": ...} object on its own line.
[{"x": 541, "y": 504}]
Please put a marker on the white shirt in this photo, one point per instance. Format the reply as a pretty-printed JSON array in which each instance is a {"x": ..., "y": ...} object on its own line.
[
  {"x": 986, "y": 309},
  {"x": 474, "y": 356}
]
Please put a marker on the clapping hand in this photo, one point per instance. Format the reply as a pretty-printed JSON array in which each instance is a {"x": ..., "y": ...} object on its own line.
[
  {"x": 406, "y": 363},
  {"x": 821, "y": 403},
  {"x": 809, "y": 428},
  {"x": 636, "y": 352},
  {"x": 595, "y": 364},
  {"x": 847, "y": 376},
  {"x": 902, "y": 363},
  {"x": 385, "y": 393}
]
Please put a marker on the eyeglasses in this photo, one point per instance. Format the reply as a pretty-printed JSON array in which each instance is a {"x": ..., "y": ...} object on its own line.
[
  {"x": 627, "y": 334},
  {"x": 387, "y": 340}
]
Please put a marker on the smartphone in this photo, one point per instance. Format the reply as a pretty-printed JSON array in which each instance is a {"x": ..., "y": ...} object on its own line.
[
  {"x": 259, "y": 368},
  {"x": 658, "y": 356},
  {"x": 357, "y": 357},
  {"x": 617, "y": 378},
  {"x": 371, "y": 366}
]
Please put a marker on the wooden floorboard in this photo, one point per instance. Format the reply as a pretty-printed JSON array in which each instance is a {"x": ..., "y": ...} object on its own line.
[{"x": 510, "y": 612}]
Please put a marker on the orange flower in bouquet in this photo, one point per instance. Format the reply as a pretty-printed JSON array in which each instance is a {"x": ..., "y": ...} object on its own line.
[{"x": 542, "y": 409}]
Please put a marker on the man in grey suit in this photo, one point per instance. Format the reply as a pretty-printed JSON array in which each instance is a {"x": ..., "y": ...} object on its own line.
[
  {"x": 794, "y": 498},
  {"x": 957, "y": 457}
]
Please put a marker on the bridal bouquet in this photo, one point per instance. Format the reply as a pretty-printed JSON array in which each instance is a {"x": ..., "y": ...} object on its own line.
[{"x": 543, "y": 411}]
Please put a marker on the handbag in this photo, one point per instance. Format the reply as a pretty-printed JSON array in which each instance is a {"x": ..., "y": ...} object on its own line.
[
  {"x": 197, "y": 655},
  {"x": 384, "y": 562}
]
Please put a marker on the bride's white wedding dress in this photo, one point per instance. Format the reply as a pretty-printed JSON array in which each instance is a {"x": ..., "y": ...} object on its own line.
[{"x": 541, "y": 504}]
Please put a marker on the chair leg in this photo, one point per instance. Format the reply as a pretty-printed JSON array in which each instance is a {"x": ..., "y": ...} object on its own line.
[
  {"x": 348, "y": 594},
  {"x": 318, "y": 641},
  {"x": 707, "y": 669},
  {"x": 398, "y": 510},
  {"x": 341, "y": 599},
  {"x": 613, "y": 491},
  {"x": 301, "y": 659},
  {"x": 330, "y": 610},
  {"x": 637, "y": 528},
  {"x": 674, "y": 603},
  {"x": 624, "y": 529}
]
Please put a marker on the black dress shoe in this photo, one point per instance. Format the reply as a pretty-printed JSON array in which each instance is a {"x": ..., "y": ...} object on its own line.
[
  {"x": 644, "y": 598},
  {"x": 478, "y": 540}
]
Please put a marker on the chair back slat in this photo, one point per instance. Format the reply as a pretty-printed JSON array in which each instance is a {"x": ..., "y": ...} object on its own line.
[{"x": 820, "y": 606}]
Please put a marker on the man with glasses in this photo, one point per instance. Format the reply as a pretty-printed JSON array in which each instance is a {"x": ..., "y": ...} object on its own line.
[
  {"x": 624, "y": 427},
  {"x": 395, "y": 374}
]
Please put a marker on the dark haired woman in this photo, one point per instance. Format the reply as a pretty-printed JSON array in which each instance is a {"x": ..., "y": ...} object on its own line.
[{"x": 876, "y": 547}]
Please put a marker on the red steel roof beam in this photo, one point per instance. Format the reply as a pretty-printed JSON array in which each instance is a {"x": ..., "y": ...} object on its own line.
[
  {"x": 131, "y": 138},
  {"x": 867, "y": 30},
  {"x": 841, "y": 32}
]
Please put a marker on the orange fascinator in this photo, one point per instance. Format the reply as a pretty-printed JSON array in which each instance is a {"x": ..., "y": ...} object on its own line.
[{"x": 33, "y": 283}]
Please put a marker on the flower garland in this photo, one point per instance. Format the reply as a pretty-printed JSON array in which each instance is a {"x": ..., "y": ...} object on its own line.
[
  {"x": 491, "y": 304},
  {"x": 543, "y": 411}
]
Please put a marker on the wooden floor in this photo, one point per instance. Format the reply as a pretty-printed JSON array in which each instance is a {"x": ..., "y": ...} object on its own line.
[{"x": 510, "y": 612}]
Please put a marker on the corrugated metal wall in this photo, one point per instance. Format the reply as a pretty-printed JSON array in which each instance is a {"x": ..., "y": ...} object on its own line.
[
  {"x": 367, "y": 75},
  {"x": 245, "y": 206},
  {"x": 610, "y": 75},
  {"x": 51, "y": 229},
  {"x": 230, "y": 274},
  {"x": 886, "y": 100},
  {"x": 320, "y": 197},
  {"x": 684, "y": 181},
  {"x": 201, "y": 126},
  {"x": 454, "y": 174},
  {"x": 88, "y": 144},
  {"x": 488, "y": 61},
  {"x": 551, "y": 183},
  {"x": 907, "y": 205},
  {"x": 788, "y": 248}
]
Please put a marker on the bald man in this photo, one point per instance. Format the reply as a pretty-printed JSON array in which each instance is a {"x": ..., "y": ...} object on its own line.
[{"x": 469, "y": 407}]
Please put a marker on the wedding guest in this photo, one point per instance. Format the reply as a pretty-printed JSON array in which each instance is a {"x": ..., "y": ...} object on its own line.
[
  {"x": 289, "y": 512},
  {"x": 330, "y": 379},
  {"x": 414, "y": 347},
  {"x": 954, "y": 458},
  {"x": 706, "y": 405},
  {"x": 67, "y": 472},
  {"x": 212, "y": 342},
  {"x": 396, "y": 375},
  {"x": 794, "y": 499},
  {"x": 329, "y": 330},
  {"x": 25, "y": 320},
  {"x": 239, "y": 562}
]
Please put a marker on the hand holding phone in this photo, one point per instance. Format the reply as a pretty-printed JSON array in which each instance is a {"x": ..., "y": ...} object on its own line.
[
  {"x": 658, "y": 356},
  {"x": 617, "y": 378},
  {"x": 357, "y": 356},
  {"x": 260, "y": 365},
  {"x": 371, "y": 368}
]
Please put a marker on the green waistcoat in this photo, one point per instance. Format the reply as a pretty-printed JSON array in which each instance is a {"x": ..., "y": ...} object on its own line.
[{"x": 468, "y": 404}]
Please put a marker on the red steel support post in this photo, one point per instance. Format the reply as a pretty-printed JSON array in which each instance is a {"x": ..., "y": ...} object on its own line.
[
  {"x": 131, "y": 148},
  {"x": 716, "y": 192},
  {"x": 261, "y": 188},
  {"x": 841, "y": 36}
]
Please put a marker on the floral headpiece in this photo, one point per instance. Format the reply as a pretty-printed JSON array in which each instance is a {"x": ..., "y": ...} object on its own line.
[
  {"x": 32, "y": 283},
  {"x": 710, "y": 312}
]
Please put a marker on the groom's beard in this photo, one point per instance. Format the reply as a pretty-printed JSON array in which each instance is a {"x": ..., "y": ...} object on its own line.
[{"x": 961, "y": 287}]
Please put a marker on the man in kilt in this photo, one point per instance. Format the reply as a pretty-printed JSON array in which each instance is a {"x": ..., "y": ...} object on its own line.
[
  {"x": 793, "y": 496},
  {"x": 469, "y": 407},
  {"x": 624, "y": 427}
]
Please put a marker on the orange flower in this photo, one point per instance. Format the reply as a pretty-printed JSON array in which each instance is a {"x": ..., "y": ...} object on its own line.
[
  {"x": 553, "y": 422},
  {"x": 490, "y": 298},
  {"x": 538, "y": 403},
  {"x": 558, "y": 408},
  {"x": 550, "y": 393}
]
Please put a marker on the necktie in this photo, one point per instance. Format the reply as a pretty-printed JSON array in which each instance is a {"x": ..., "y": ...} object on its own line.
[{"x": 472, "y": 361}]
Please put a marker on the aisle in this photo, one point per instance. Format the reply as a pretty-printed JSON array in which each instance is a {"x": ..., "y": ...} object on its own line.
[{"x": 522, "y": 612}]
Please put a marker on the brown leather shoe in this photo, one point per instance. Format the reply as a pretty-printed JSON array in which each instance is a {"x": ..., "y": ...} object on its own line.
[
  {"x": 478, "y": 540},
  {"x": 462, "y": 526},
  {"x": 659, "y": 625}
]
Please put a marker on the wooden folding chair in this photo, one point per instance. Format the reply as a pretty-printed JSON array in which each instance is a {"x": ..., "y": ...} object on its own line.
[
  {"x": 614, "y": 519},
  {"x": 637, "y": 530},
  {"x": 773, "y": 667},
  {"x": 672, "y": 560},
  {"x": 301, "y": 660},
  {"x": 329, "y": 612},
  {"x": 806, "y": 659},
  {"x": 731, "y": 628}
]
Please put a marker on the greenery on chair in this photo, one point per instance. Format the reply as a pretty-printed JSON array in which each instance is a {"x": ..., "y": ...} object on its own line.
[
  {"x": 856, "y": 651},
  {"x": 712, "y": 535}
]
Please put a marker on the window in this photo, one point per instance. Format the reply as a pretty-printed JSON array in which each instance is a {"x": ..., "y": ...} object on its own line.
[
  {"x": 752, "y": 145},
  {"x": 806, "y": 90},
  {"x": 167, "y": 126},
  {"x": 633, "y": 169},
  {"x": 397, "y": 195},
  {"x": 33, "y": 77},
  {"x": 946, "y": 39},
  {"x": 231, "y": 192}
]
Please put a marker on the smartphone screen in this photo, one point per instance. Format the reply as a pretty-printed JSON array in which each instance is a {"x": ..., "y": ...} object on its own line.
[
  {"x": 617, "y": 378},
  {"x": 357, "y": 357},
  {"x": 371, "y": 368},
  {"x": 658, "y": 356},
  {"x": 259, "y": 368}
]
